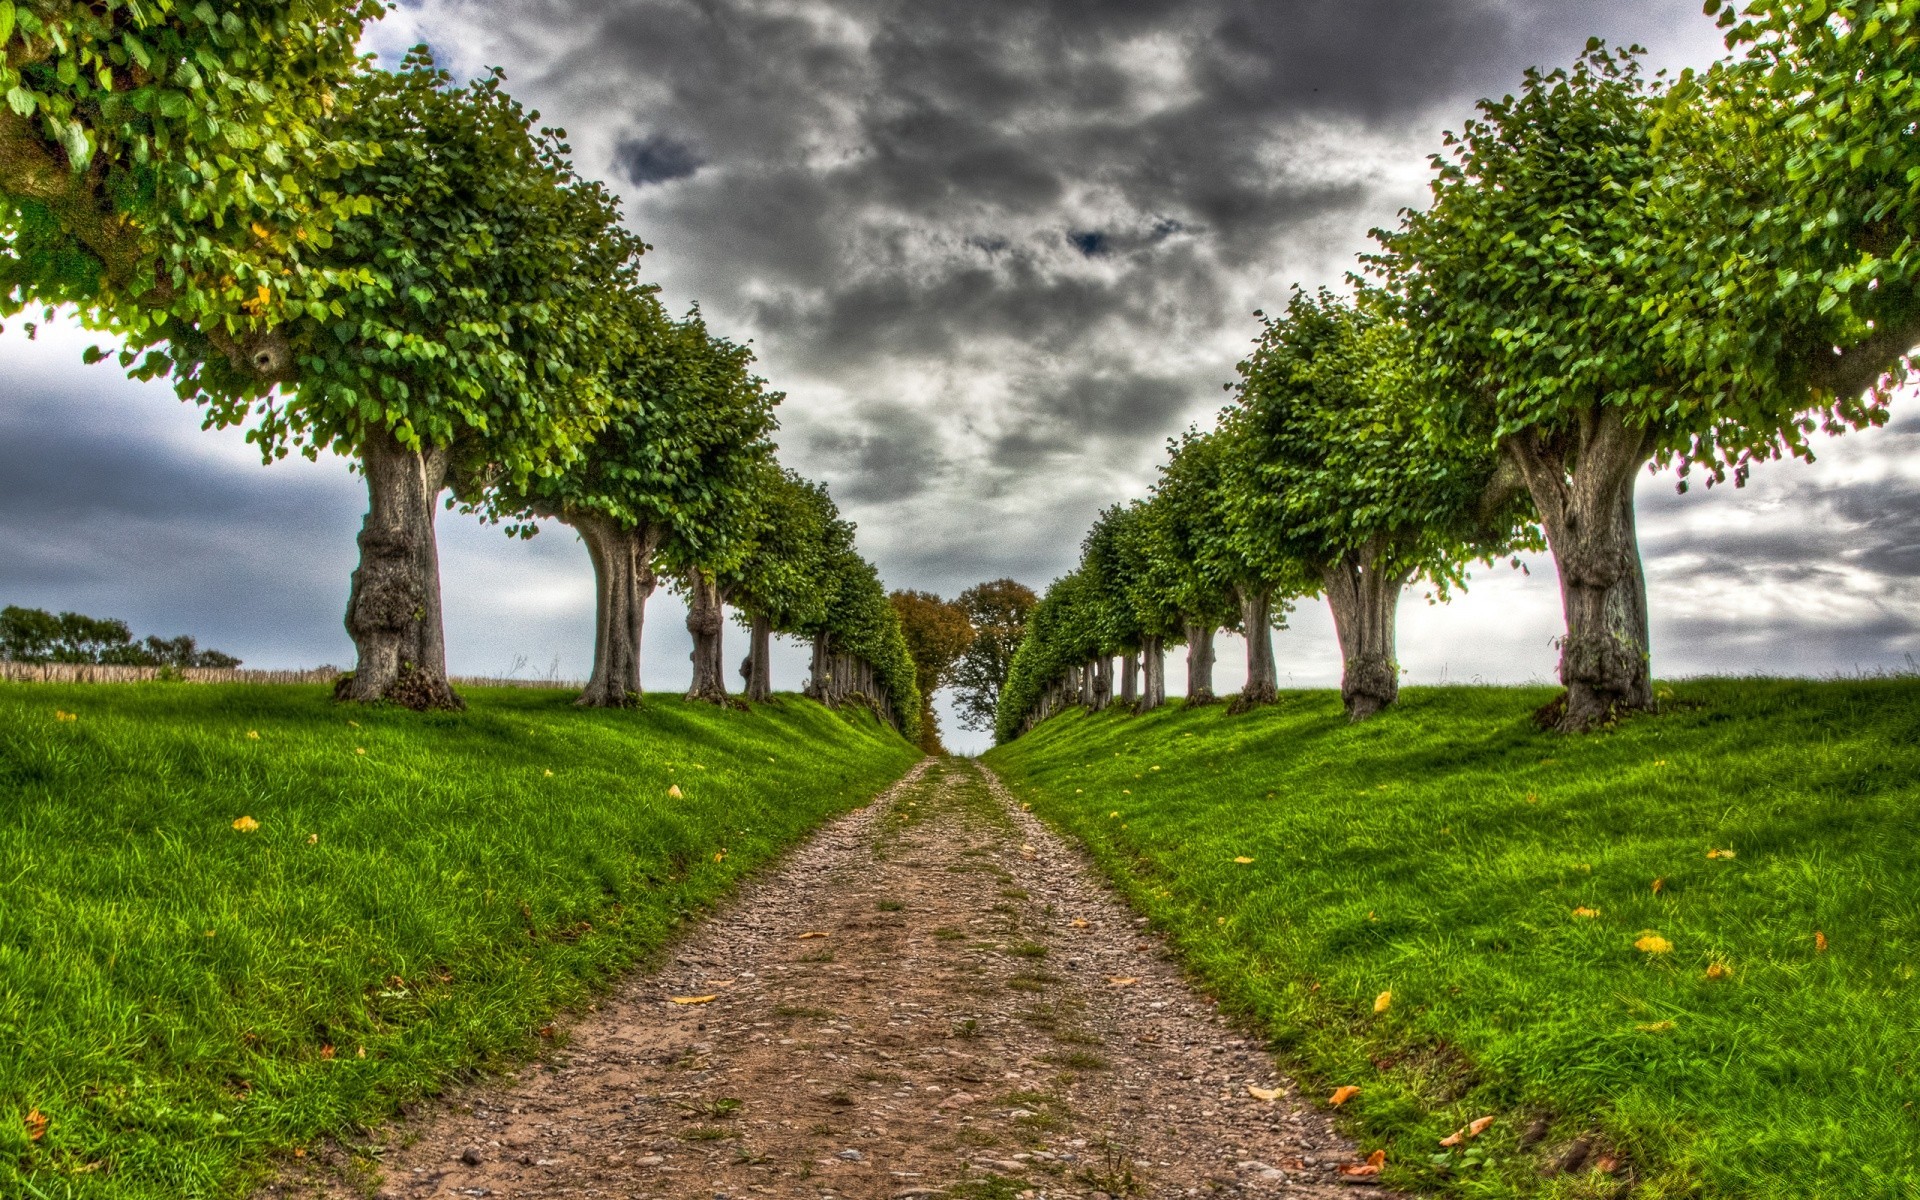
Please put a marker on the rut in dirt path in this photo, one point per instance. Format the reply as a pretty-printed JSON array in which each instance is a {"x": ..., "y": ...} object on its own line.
[{"x": 933, "y": 996}]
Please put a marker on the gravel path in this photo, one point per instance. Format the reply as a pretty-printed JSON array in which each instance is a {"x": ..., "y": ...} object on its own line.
[{"x": 934, "y": 996}]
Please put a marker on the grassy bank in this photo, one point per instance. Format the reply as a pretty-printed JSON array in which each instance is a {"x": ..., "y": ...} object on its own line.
[
  {"x": 406, "y": 898},
  {"x": 1569, "y": 945}
]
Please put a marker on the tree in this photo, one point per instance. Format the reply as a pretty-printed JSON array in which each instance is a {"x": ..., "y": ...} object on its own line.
[
  {"x": 859, "y": 649},
  {"x": 1150, "y": 566},
  {"x": 998, "y": 611},
  {"x": 1110, "y": 614},
  {"x": 1207, "y": 489},
  {"x": 1353, "y": 484},
  {"x": 780, "y": 585},
  {"x": 165, "y": 167},
  {"x": 34, "y": 635},
  {"x": 473, "y": 359},
  {"x": 1539, "y": 289},
  {"x": 937, "y": 632},
  {"x": 686, "y": 432},
  {"x": 1181, "y": 544}
]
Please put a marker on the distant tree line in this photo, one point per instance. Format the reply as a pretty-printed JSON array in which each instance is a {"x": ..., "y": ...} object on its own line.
[
  {"x": 408, "y": 270},
  {"x": 34, "y": 635},
  {"x": 1614, "y": 275}
]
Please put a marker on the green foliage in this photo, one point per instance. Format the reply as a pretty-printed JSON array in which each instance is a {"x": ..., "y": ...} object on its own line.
[
  {"x": 1439, "y": 852},
  {"x": 184, "y": 999},
  {"x": 34, "y": 635},
  {"x": 1108, "y": 558},
  {"x": 782, "y": 576},
  {"x": 163, "y": 162},
  {"x": 860, "y": 621},
  {"x": 494, "y": 272},
  {"x": 685, "y": 439},
  {"x": 1343, "y": 459},
  {"x": 998, "y": 612},
  {"x": 1548, "y": 279},
  {"x": 937, "y": 633},
  {"x": 1058, "y": 636}
]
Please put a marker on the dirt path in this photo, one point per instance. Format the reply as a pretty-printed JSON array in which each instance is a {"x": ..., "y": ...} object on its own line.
[{"x": 932, "y": 997}]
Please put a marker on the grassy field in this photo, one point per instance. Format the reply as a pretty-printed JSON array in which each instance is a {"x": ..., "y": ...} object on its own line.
[
  {"x": 1691, "y": 940},
  {"x": 234, "y": 919}
]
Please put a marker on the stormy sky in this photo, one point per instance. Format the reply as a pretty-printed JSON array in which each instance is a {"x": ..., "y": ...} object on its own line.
[{"x": 995, "y": 252}]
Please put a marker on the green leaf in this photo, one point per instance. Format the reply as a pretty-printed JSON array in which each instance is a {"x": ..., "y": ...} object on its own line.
[
  {"x": 22, "y": 101},
  {"x": 6, "y": 20}
]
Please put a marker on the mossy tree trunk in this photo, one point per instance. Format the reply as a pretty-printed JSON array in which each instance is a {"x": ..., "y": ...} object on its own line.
[
  {"x": 1364, "y": 594},
  {"x": 623, "y": 582},
  {"x": 1200, "y": 664},
  {"x": 394, "y": 610},
  {"x": 706, "y": 621},
  {"x": 1582, "y": 481}
]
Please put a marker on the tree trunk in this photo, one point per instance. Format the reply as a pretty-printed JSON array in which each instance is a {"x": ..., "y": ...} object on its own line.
[
  {"x": 1256, "y": 620},
  {"x": 1130, "y": 680},
  {"x": 1200, "y": 664},
  {"x": 1102, "y": 683},
  {"x": 1086, "y": 686},
  {"x": 706, "y": 613},
  {"x": 623, "y": 582},
  {"x": 393, "y": 611},
  {"x": 759, "y": 665},
  {"x": 818, "y": 670},
  {"x": 1153, "y": 663},
  {"x": 1582, "y": 485},
  {"x": 1365, "y": 596}
]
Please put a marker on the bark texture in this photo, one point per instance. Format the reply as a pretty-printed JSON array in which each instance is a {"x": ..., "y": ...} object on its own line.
[
  {"x": 840, "y": 678},
  {"x": 393, "y": 610},
  {"x": 1582, "y": 482},
  {"x": 1153, "y": 664},
  {"x": 1200, "y": 664},
  {"x": 1102, "y": 683},
  {"x": 1256, "y": 619},
  {"x": 706, "y": 621},
  {"x": 1130, "y": 680},
  {"x": 1365, "y": 597},
  {"x": 623, "y": 582},
  {"x": 758, "y": 669}
]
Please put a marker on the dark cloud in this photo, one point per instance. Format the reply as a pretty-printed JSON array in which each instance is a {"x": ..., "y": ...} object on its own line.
[{"x": 655, "y": 158}]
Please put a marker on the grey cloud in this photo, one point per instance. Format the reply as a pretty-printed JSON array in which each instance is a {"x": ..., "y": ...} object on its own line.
[{"x": 655, "y": 158}]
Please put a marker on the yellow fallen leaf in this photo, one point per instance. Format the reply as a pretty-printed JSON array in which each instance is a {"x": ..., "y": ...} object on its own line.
[
  {"x": 811, "y": 934},
  {"x": 245, "y": 824},
  {"x": 1383, "y": 1002},
  {"x": 719, "y": 856},
  {"x": 1114, "y": 815},
  {"x": 1584, "y": 911},
  {"x": 549, "y": 774},
  {"x": 359, "y": 749},
  {"x": 1455, "y": 1138},
  {"x": 693, "y": 999},
  {"x": 313, "y": 839},
  {"x": 1366, "y": 1170},
  {"x": 1478, "y": 1126},
  {"x": 1243, "y": 860},
  {"x": 1655, "y": 1027},
  {"x": 1819, "y": 942},
  {"x": 37, "y": 1123},
  {"x": 1653, "y": 943},
  {"x": 1260, "y": 1093},
  {"x": 1342, "y": 1094},
  {"x": 253, "y": 735},
  {"x": 1657, "y": 885},
  {"x": 1122, "y": 980},
  {"x": 676, "y": 793},
  {"x": 1717, "y": 971},
  {"x": 1720, "y": 854},
  {"x": 354, "y": 724},
  {"x": 1079, "y": 922},
  {"x": 65, "y": 716}
]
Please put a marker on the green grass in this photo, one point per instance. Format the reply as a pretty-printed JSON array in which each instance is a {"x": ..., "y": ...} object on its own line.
[
  {"x": 1439, "y": 852},
  {"x": 182, "y": 1000}
]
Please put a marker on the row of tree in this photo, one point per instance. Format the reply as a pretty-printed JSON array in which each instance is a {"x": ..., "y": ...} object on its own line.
[
  {"x": 1616, "y": 274},
  {"x": 34, "y": 635},
  {"x": 408, "y": 271}
]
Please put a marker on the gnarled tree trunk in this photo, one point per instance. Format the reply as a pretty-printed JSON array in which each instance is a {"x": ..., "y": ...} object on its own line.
[
  {"x": 1365, "y": 596},
  {"x": 1200, "y": 664},
  {"x": 1582, "y": 482},
  {"x": 393, "y": 611},
  {"x": 758, "y": 669},
  {"x": 706, "y": 621},
  {"x": 1130, "y": 679},
  {"x": 623, "y": 582},
  {"x": 1102, "y": 683},
  {"x": 1153, "y": 662},
  {"x": 1256, "y": 620}
]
